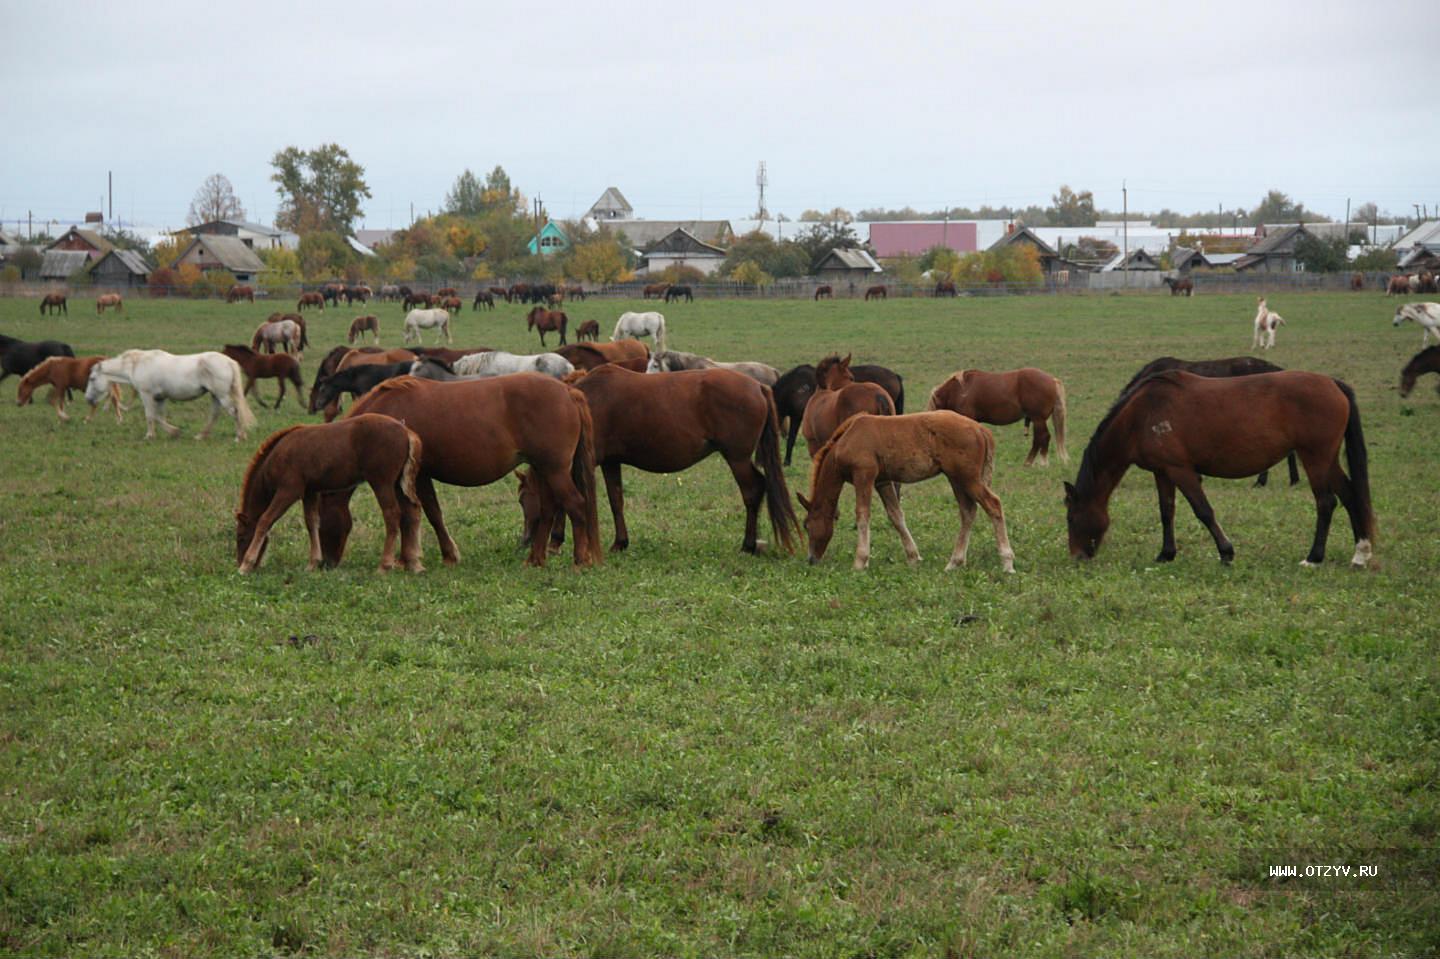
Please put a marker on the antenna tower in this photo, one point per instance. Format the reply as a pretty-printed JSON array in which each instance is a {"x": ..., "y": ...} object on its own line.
[{"x": 762, "y": 180}]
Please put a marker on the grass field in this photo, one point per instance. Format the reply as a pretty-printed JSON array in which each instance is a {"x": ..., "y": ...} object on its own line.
[{"x": 690, "y": 751}]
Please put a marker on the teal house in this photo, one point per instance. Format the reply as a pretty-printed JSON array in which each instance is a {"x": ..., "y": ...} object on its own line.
[{"x": 551, "y": 239}]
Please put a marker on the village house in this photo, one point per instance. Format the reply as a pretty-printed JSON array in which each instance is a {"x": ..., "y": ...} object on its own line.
[{"x": 215, "y": 252}]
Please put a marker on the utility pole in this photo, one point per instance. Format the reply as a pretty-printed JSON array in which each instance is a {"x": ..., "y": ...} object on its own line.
[
  {"x": 110, "y": 188},
  {"x": 1125, "y": 229},
  {"x": 1347, "y": 223}
]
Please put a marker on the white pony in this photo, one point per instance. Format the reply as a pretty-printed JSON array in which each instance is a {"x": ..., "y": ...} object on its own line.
[
  {"x": 671, "y": 361},
  {"x": 417, "y": 320},
  {"x": 1425, "y": 315},
  {"x": 499, "y": 363},
  {"x": 637, "y": 325},
  {"x": 1266, "y": 322},
  {"x": 159, "y": 376}
]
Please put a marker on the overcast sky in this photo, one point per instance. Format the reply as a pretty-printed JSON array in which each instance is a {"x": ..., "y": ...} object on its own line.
[{"x": 850, "y": 104}]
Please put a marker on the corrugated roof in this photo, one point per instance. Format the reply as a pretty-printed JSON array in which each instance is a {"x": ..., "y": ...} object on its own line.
[
  {"x": 642, "y": 233},
  {"x": 851, "y": 260},
  {"x": 899, "y": 238},
  {"x": 374, "y": 238},
  {"x": 229, "y": 251},
  {"x": 1275, "y": 240},
  {"x": 133, "y": 261},
  {"x": 59, "y": 264},
  {"x": 1427, "y": 232}
]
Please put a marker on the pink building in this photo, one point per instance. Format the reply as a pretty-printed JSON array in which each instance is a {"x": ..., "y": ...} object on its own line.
[{"x": 914, "y": 238}]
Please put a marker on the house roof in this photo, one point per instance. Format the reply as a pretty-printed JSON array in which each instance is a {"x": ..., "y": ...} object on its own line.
[
  {"x": 245, "y": 225},
  {"x": 59, "y": 264},
  {"x": 682, "y": 241},
  {"x": 95, "y": 240},
  {"x": 1184, "y": 256},
  {"x": 1025, "y": 233},
  {"x": 359, "y": 247},
  {"x": 133, "y": 261},
  {"x": 612, "y": 203},
  {"x": 1417, "y": 254},
  {"x": 1277, "y": 240},
  {"x": 229, "y": 251},
  {"x": 1139, "y": 260},
  {"x": 1427, "y": 232},
  {"x": 848, "y": 259},
  {"x": 643, "y": 233},
  {"x": 374, "y": 238},
  {"x": 899, "y": 238}
]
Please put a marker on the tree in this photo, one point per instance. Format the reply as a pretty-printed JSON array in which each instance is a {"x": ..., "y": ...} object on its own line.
[
  {"x": 837, "y": 215},
  {"x": 467, "y": 196},
  {"x": 781, "y": 259},
  {"x": 1279, "y": 208},
  {"x": 215, "y": 200},
  {"x": 499, "y": 195},
  {"x": 1068, "y": 208},
  {"x": 1321, "y": 256},
  {"x": 752, "y": 273},
  {"x": 323, "y": 254},
  {"x": 320, "y": 189},
  {"x": 1378, "y": 260},
  {"x": 820, "y": 239},
  {"x": 599, "y": 260}
]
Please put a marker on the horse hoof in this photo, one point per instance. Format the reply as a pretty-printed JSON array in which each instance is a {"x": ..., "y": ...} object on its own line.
[
  {"x": 1306, "y": 564},
  {"x": 1167, "y": 558},
  {"x": 415, "y": 567}
]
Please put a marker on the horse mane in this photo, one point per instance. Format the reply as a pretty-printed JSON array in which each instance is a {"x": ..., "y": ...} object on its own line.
[
  {"x": 261, "y": 454},
  {"x": 239, "y": 348},
  {"x": 1086, "y": 476},
  {"x": 395, "y": 384},
  {"x": 828, "y": 448},
  {"x": 43, "y": 364},
  {"x": 1425, "y": 355},
  {"x": 958, "y": 376}
]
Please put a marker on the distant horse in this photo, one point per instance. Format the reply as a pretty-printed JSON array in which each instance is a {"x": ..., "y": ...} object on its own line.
[
  {"x": 389, "y": 292},
  {"x": 417, "y": 320},
  {"x": 300, "y": 463},
  {"x": 1398, "y": 285},
  {"x": 363, "y": 324},
  {"x": 670, "y": 361},
  {"x": 587, "y": 356},
  {"x": 518, "y": 292},
  {"x": 945, "y": 288},
  {"x": 1167, "y": 424},
  {"x": 824, "y": 293},
  {"x": 360, "y": 292},
  {"x": 19, "y": 357},
  {"x": 451, "y": 303},
  {"x": 879, "y": 453},
  {"x": 1181, "y": 286},
  {"x": 1426, "y": 361},
  {"x": 495, "y": 291},
  {"x": 677, "y": 292},
  {"x": 666, "y": 424},
  {"x": 555, "y": 300},
  {"x": 876, "y": 292},
  {"x": 310, "y": 299},
  {"x": 1003, "y": 398},
  {"x": 636, "y": 325},
  {"x": 261, "y": 366},
  {"x": 1231, "y": 366},
  {"x": 575, "y": 292},
  {"x": 159, "y": 376},
  {"x": 500, "y": 363},
  {"x": 108, "y": 300},
  {"x": 445, "y": 291},
  {"x": 838, "y": 398},
  {"x": 654, "y": 291},
  {"x": 794, "y": 389},
  {"x": 483, "y": 299},
  {"x": 51, "y": 302},
  {"x": 357, "y": 381},
  {"x": 331, "y": 293},
  {"x": 547, "y": 321},
  {"x": 287, "y": 334},
  {"x": 475, "y": 432},
  {"x": 417, "y": 300},
  {"x": 238, "y": 292},
  {"x": 63, "y": 374},
  {"x": 1357, "y": 282},
  {"x": 1424, "y": 315},
  {"x": 1267, "y": 321},
  {"x": 589, "y": 330}
]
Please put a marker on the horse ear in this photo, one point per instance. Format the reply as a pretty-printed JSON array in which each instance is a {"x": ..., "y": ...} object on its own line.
[
  {"x": 846, "y": 362},
  {"x": 804, "y": 503}
]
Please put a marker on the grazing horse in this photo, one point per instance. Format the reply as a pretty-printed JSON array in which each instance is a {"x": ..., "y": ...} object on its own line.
[
  {"x": 331, "y": 293},
  {"x": 310, "y": 299},
  {"x": 1002, "y": 398},
  {"x": 485, "y": 299},
  {"x": 589, "y": 330},
  {"x": 1267, "y": 321},
  {"x": 884, "y": 451},
  {"x": 356, "y": 380},
  {"x": 547, "y": 321},
  {"x": 1398, "y": 285},
  {"x": 474, "y": 432},
  {"x": 262, "y": 366},
  {"x": 945, "y": 288},
  {"x": 1179, "y": 285},
  {"x": 1177, "y": 426},
  {"x": 501, "y": 363},
  {"x": 670, "y": 361},
  {"x": 238, "y": 292},
  {"x": 451, "y": 303},
  {"x": 876, "y": 292},
  {"x": 51, "y": 302},
  {"x": 346, "y": 356},
  {"x": 575, "y": 292},
  {"x": 289, "y": 335},
  {"x": 495, "y": 291},
  {"x": 445, "y": 354},
  {"x": 19, "y": 357},
  {"x": 587, "y": 356},
  {"x": 417, "y": 320},
  {"x": 1426, "y": 361},
  {"x": 1424, "y": 315},
  {"x": 839, "y": 397},
  {"x": 63, "y": 374},
  {"x": 636, "y": 325},
  {"x": 108, "y": 300},
  {"x": 654, "y": 291},
  {"x": 445, "y": 291},
  {"x": 824, "y": 292},
  {"x": 674, "y": 293},
  {"x": 159, "y": 376},
  {"x": 389, "y": 292},
  {"x": 300, "y": 463},
  {"x": 417, "y": 300},
  {"x": 363, "y": 324},
  {"x": 794, "y": 389},
  {"x": 666, "y": 424},
  {"x": 361, "y": 293}
]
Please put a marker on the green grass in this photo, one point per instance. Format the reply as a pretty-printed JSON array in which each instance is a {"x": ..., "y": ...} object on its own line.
[{"x": 690, "y": 751}]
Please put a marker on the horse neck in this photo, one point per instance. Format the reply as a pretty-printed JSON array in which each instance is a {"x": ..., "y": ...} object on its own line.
[
  {"x": 825, "y": 479},
  {"x": 1107, "y": 457},
  {"x": 258, "y": 491}
]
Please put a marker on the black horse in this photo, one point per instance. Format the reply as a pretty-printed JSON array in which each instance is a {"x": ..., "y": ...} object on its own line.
[
  {"x": 19, "y": 357},
  {"x": 794, "y": 389},
  {"x": 678, "y": 292},
  {"x": 485, "y": 299},
  {"x": 1426, "y": 361},
  {"x": 537, "y": 293},
  {"x": 356, "y": 380},
  {"x": 1231, "y": 366}
]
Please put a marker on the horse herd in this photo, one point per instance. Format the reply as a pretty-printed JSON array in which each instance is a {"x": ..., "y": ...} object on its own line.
[{"x": 422, "y": 416}]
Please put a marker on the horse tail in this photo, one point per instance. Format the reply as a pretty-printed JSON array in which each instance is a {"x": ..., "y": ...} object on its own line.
[
  {"x": 304, "y": 335},
  {"x": 884, "y": 405},
  {"x": 1358, "y": 463},
  {"x": 582, "y": 474},
  {"x": 660, "y": 338},
  {"x": 777, "y": 497},
  {"x": 987, "y": 468},
  {"x": 899, "y": 395},
  {"x": 1057, "y": 419},
  {"x": 244, "y": 418},
  {"x": 411, "y": 467}
]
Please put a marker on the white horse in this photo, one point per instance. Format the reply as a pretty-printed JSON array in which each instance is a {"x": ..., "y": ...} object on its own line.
[
  {"x": 159, "y": 376},
  {"x": 417, "y": 320},
  {"x": 1266, "y": 322},
  {"x": 670, "y": 361},
  {"x": 1425, "y": 315},
  {"x": 636, "y": 325},
  {"x": 499, "y": 363}
]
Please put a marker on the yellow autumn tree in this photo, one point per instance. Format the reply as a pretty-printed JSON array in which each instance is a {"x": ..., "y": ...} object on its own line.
[{"x": 598, "y": 261}]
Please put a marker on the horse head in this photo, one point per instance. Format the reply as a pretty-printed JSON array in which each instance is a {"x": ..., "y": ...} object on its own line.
[
  {"x": 1087, "y": 519},
  {"x": 95, "y": 385},
  {"x": 323, "y": 394},
  {"x": 819, "y": 525}
]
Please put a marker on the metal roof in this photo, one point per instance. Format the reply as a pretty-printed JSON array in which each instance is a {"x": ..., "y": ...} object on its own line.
[
  {"x": 642, "y": 233},
  {"x": 1427, "y": 232}
]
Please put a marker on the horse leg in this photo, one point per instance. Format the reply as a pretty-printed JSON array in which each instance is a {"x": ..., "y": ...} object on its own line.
[
  {"x": 1346, "y": 490},
  {"x": 335, "y": 524},
  {"x": 864, "y": 486},
  {"x": 1189, "y": 485},
  {"x": 409, "y": 532},
  {"x": 281, "y": 398},
  {"x": 284, "y": 499},
  {"x": 214, "y": 412},
  {"x": 1166, "y": 490},
  {"x": 890, "y": 498},
  {"x": 790, "y": 440},
  {"x": 752, "y": 491},
  {"x": 990, "y": 503},
  {"x": 572, "y": 501},
  {"x": 311, "y": 506},
  {"x": 57, "y": 400},
  {"x": 615, "y": 490},
  {"x": 390, "y": 510},
  {"x": 1041, "y": 442},
  {"x": 425, "y": 490}
]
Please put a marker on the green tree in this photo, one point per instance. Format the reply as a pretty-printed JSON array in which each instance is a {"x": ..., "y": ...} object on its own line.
[
  {"x": 820, "y": 239},
  {"x": 323, "y": 254},
  {"x": 499, "y": 195},
  {"x": 1378, "y": 260},
  {"x": 598, "y": 259},
  {"x": 466, "y": 197},
  {"x": 1068, "y": 208},
  {"x": 779, "y": 259},
  {"x": 1318, "y": 255},
  {"x": 319, "y": 189},
  {"x": 752, "y": 273}
]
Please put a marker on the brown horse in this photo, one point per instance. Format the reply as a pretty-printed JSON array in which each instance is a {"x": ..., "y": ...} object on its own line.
[
  {"x": 451, "y": 303},
  {"x": 51, "y": 302},
  {"x": 654, "y": 291},
  {"x": 300, "y": 463},
  {"x": 824, "y": 292},
  {"x": 547, "y": 321},
  {"x": 419, "y": 300},
  {"x": 876, "y": 293},
  {"x": 945, "y": 288},
  {"x": 1426, "y": 361},
  {"x": 838, "y": 398},
  {"x": 265, "y": 366},
  {"x": 666, "y": 424},
  {"x": 485, "y": 299},
  {"x": 361, "y": 356},
  {"x": 1398, "y": 286},
  {"x": 310, "y": 299},
  {"x": 1003, "y": 398},
  {"x": 1357, "y": 281},
  {"x": 446, "y": 354},
  {"x": 238, "y": 292},
  {"x": 445, "y": 291},
  {"x": 1183, "y": 285},
  {"x": 589, "y": 330},
  {"x": 108, "y": 300},
  {"x": 473, "y": 433},
  {"x": 498, "y": 291},
  {"x": 361, "y": 324},
  {"x": 884, "y": 451},
  {"x": 1181, "y": 427},
  {"x": 587, "y": 356},
  {"x": 62, "y": 374}
]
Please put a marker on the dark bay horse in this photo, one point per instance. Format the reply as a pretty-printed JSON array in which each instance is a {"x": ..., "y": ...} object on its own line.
[
  {"x": 824, "y": 292},
  {"x": 419, "y": 300},
  {"x": 1184, "y": 285},
  {"x": 666, "y": 423},
  {"x": 355, "y": 380},
  {"x": 838, "y": 398},
  {"x": 794, "y": 389},
  {"x": 589, "y": 330},
  {"x": 261, "y": 366},
  {"x": 19, "y": 357},
  {"x": 1426, "y": 361},
  {"x": 483, "y": 299},
  {"x": 587, "y": 356},
  {"x": 1003, "y": 398},
  {"x": 53, "y": 302},
  {"x": 474, "y": 432},
  {"x": 1180, "y": 427},
  {"x": 945, "y": 288},
  {"x": 876, "y": 293},
  {"x": 674, "y": 293},
  {"x": 547, "y": 321}
]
